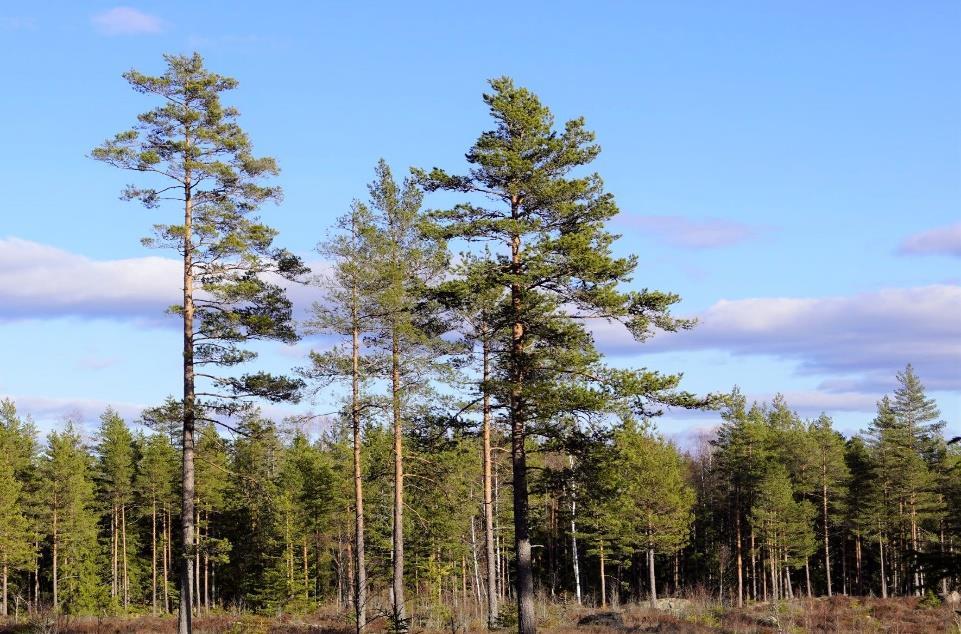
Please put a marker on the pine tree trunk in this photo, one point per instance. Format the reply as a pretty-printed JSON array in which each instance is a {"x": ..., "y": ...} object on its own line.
[
  {"x": 807, "y": 576},
  {"x": 3, "y": 608},
  {"x": 166, "y": 557},
  {"x": 207, "y": 563},
  {"x": 774, "y": 575},
  {"x": 123, "y": 538},
  {"x": 400, "y": 609},
  {"x": 577, "y": 568},
  {"x": 184, "y": 623},
  {"x": 113, "y": 551},
  {"x": 306, "y": 577},
  {"x": 488, "y": 501},
  {"x": 884, "y": 581},
  {"x": 603, "y": 578},
  {"x": 651, "y": 577},
  {"x": 197, "y": 556},
  {"x": 915, "y": 566},
  {"x": 753, "y": 566},
  {"x": 857, "y": 561},
  {"x": 740, "y": 557},
  {"x": 827, "y": 543},
  {"x": 153, "y": 554},
  {"x": 526, "y": 623},
  {"x": 56, "y": 547},
  {"x": 358, "y": 579}
]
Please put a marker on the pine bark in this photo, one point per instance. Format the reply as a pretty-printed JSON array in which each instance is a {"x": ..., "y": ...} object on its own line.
[
  {"x": 153, "y": 555},
  {"x": 359, "y": 577},
  {"x": 400, "y": 611},
  {"x": 488, "y": 493},
  {"x": 184, "y": 623},
  {"x": 526, "y": 623},
  {"x": 827, "y": 542}
]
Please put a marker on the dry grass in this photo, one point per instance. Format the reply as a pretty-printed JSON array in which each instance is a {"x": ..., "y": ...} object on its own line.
[{"x": 701, "y": 616}]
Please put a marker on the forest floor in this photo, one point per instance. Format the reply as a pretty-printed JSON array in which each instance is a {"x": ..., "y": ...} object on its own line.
[{"x": 839, "y": 614}]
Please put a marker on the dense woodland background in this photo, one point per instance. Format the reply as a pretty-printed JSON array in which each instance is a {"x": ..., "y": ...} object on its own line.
[
  {"x": 275, "y": 512},
  {"x": 479, "y": 451}
]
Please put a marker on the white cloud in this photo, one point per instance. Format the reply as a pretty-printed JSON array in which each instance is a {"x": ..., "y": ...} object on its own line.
[
  {"x": 939, "y": 241},
  {"x": 126, "y": 21},
  {"x": 84, "y": 411},
  {"x": 684, "y": 232},
  {"x": 857, "y": 342},
  {"x": 38, "y": 280}
]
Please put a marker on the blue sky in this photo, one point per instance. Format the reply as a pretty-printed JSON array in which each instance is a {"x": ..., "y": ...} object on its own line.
[{"x": 793, "y": 170}]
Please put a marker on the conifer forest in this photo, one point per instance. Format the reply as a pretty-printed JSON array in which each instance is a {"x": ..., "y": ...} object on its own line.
[{"x": 472, "y": 461}]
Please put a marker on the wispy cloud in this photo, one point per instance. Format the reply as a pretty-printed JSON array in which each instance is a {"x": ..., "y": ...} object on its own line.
[
  {"x": 127, "y": 21},
  {"x": 856, "y": 343},
  {"x": 689, "y": 233},
  {"x": 38, "y": 280},
  {"x": 17, "y": 23},
  {"x": 939, "y": 241}
]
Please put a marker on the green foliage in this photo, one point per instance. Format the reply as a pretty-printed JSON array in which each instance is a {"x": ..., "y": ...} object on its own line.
[
  {"x": 191, "y": 150},
  {"x": 71, "y": 520}
]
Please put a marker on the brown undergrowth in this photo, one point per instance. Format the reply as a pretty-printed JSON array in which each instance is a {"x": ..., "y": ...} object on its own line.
[{"x": 855, "y": 615}]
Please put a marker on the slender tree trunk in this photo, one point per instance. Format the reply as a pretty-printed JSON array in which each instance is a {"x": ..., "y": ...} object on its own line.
[
  {"x": 740, "y": 557},
  {"x": 184, "y": 623},
  {"x": 166, "y": 558},
  {"x": 651, "y": 577},
  {"x": 603, "y": 578},
  {"x": 360, "y": 577},
  {"x": 526, "y": 623},
  {"x": 774, "y": 576},
  {"x": 306, "y": 578},
  {"x": 113, "y": 550},
  {"x": 123, "y": 539},
  {"x": 807, "y": 576},
  {"x": 577, "y": 568},
  {"x": 827, "y": 542},
  {"x": 884, "y": 581},
  {"x": 197, "y": 556},
  {"x": 857, "y": 561},
  {"x": 56, "y": 561},
  {"x": 478, "y": 586},
  {"x": 3, "y": 609},
  {"x": 753, "y": 566},
  {"x": 400, "y": 610},
  {"x": 153, "y": 554},
  {"x": 915, "y": 566},
  {"x": 207, "y": 563},
  {"x": 488, "y": 501}
]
